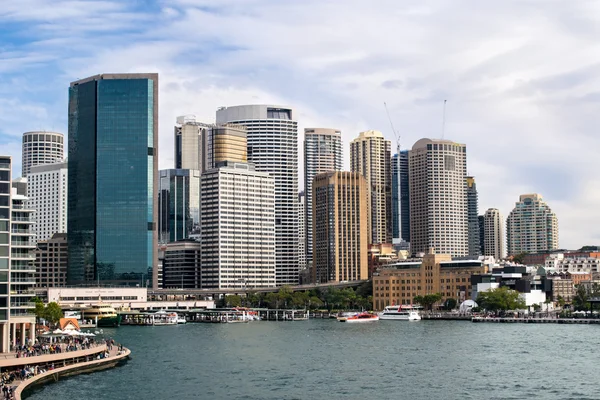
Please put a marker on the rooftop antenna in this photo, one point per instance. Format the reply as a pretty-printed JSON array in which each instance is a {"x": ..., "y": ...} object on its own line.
[{"x": 444, "y": 120}]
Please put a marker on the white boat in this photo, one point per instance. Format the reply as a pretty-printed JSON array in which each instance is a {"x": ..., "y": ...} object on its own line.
[
  {"x": 362, "y": 317},
  {"x": 181, "y": 319},
  {"x": 401, "y": 313},
  {"x": 162, "y": 317}
]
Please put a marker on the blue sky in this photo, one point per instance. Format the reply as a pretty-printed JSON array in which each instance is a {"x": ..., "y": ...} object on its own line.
[{"x": 521, "y": 77}]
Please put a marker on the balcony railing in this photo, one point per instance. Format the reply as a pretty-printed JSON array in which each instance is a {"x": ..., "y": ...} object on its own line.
[
  {"x": 16, "y": 230},
  {"x": 23, "y": 219},
  {"x": 22, "y": 267}
]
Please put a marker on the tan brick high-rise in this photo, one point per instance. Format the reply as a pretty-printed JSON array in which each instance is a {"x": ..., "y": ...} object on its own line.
[
  {"x": 339, "y": 227},
  {"x": 370, "y": 156}
]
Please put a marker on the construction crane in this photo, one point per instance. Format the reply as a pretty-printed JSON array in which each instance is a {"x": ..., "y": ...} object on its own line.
[{"x": 396, "y": 136}]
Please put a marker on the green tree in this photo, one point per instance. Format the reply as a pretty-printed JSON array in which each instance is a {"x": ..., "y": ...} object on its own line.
[
  {"x": 500, "y": 299},
  {"x": 53, "y": 313},
  {"x": 450, "y": 304},
  {"x": 315, "y": 302},
  {"x": 580, "y": 300},
  {"x": 519, "y": 258},
  {"x": 233, "y": 300},
  {"x": 39, "y": 307},
  {"x": 561, "y": 302}
]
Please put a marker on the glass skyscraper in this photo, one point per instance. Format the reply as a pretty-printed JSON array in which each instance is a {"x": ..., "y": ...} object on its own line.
[
  {"x": 113, "y": 167},
  {"x": 400, "y": 198},
  {"x": 178, "y": 205}
]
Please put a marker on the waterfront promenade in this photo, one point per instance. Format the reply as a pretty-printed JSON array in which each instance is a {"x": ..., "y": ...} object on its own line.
[{"x": 53, "y": 366}]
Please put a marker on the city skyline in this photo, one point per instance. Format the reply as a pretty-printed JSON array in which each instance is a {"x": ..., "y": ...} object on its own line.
[{"x": 495, "y": 77}]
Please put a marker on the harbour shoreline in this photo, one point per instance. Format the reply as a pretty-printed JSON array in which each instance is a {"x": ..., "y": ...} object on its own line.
[{"x": 24, "y": 388}]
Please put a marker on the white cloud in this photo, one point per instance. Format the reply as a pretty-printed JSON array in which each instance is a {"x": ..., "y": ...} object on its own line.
[{"x": 522, "y": 82}]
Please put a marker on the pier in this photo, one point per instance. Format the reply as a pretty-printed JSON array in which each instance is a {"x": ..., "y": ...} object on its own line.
[{"x": 504, "y": 320}]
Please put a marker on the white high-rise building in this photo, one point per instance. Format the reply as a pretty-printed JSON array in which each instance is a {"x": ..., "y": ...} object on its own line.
[
  {"x": 438, "y": 197},
  {"x": 493, "y": 234},
  {"x": 531, "y": 227},
  {"x": 322, "y": 153},
  {"x": 301, "y": 230},
  {"x": 238, "y": 227},
  {"x": 41, "y": 148},
  {"x": 370, "y": 156},
  {"x": 47, "y": 192},
  {"x": 272, "y": 137}
]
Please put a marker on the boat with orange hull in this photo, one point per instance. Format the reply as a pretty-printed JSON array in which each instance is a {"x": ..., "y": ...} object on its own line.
[{"x": 362, "y": 317}]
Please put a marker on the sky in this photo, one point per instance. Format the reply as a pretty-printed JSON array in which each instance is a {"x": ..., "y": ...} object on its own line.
[{"x": 521, "y": 78}]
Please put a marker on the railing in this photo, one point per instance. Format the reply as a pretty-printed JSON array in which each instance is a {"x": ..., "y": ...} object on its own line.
[
  {"x": 27, "y": 304},
  {"x": 25, "y": 219},
  {"x": 22, "y": 292},
  {"x": 4, "y": 165},
  {"x": 16, "y": 230}
]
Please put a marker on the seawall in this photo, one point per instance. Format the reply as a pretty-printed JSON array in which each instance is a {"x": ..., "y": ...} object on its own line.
[{"x": 70, "y": 370}]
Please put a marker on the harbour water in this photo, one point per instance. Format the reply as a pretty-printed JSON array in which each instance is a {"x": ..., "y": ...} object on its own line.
[{"x": 325, "y": 359}]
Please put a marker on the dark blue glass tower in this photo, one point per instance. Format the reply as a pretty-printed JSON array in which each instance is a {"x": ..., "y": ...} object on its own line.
[
  {"x": 400, "y": 197},
  {"x": 113, "y": 167}
]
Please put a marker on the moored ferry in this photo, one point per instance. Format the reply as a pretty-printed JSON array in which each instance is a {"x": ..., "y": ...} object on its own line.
[
  {"x": 362, "y": 317},
  {"x": 162, "y": 317},
  {"x": 401, "y": 313},
  {"x": 104, "y": 314}
]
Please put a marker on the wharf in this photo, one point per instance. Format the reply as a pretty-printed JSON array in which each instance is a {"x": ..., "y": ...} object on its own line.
[
  {"x": 445, "y": 317},
  {"x": 587, "y": 321}
]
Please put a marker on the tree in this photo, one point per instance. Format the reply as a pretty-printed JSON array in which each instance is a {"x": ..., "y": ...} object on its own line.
[
  {"x": 500, "y": 299},
  {"x": 315, "y": 302},
  {"x": 519, "y": 258},
  {"x": 233, "y": 300},
  {"x": 450, "y": 304},
  {"x": 53, "y": 313},
  {"x": 428, "y": 300},
  {"x": 39, "y": 307},
  {"x": 561, "y": 302},
  {"x": 580, "y": 300}
]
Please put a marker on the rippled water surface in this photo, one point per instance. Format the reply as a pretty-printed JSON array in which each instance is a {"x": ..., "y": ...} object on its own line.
[{"x": 325, "y": 359}]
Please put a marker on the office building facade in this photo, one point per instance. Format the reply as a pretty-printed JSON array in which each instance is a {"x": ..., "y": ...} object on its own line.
[
  {"x": 201, "y": 146},
  {"x": 340, "y": 227},
  {"x": 322, "y": 153},
  {"x": 178, "y": 205},
  {"x": 302, "y": 231},
  {"x": 238, "y": 227},
  {"x": 400, "y": 198},
  {"x": 493, "y": 228},
  {"x": 438, "y": 198},
  {"x": 370, "y": 156},
  {"x": 473, "y": 217},
  {"x": 181, "y": 265},
  {"x": 401, "y": 282},
  {"x": 51, "y": 258},
  {"x": 113, "y": 171},
  {"x": 41, "y": 148},
  {"x": 47, "y": 188},
  {"x": 272, "y": 138},
  {"x": 17, "y": 272},
  {"x": 531, "y": 227}
]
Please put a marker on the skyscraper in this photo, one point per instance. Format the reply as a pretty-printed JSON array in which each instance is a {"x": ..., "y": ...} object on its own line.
[
  {"x": 438, "y": 198},
  {"x": 531, "y": 226},
  {"x": 473, "y": 218},
  {"x": 47, "y": 192},
  {"x": 178, "y": 204},
  {"x": 40, "y": 148},
  {"x": 370, "y": 156},
  {"x": 400, "y": 198},
  {"x": 301, "y": 231},
  {"x": 16, "y": 262},
  {"x": 113, "y": 171},
  {"x": 481, "y": 219},
  {"x": 200, "y": 146},
  {"x": 340, "y": 227},
  {"x": 494, "y": 234},
  {"x": 322, "y": 153},
  {"x": 273, "y": 148},
  {"x": 238, "y": 227}
]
